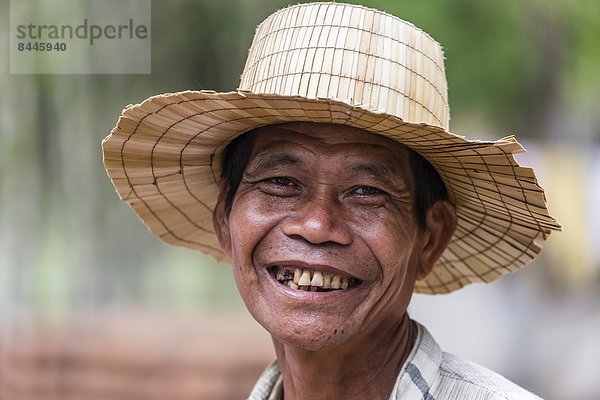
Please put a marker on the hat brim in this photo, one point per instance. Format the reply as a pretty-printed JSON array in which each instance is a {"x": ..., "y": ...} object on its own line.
[{"x": 163, "y": 158}]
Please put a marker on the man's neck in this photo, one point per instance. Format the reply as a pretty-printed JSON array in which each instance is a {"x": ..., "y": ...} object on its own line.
[{"x": 366, "y": 368}]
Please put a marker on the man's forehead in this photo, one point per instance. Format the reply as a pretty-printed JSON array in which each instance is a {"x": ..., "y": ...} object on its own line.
[
  {"x": 296, "y": 137},
  {"x": 327, "y": 133},
  {"x": 297, "y": 144}
]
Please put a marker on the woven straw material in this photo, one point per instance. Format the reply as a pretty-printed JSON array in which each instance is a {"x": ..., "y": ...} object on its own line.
[{"x": 341, "y": 64}]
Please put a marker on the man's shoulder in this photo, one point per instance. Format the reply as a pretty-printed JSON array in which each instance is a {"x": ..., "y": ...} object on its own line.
[
  {"x": 467, "y": 380},
  {"x": 437, "y": 375}
]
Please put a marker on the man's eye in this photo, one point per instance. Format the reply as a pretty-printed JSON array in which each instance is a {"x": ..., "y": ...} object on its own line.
[
  {"x": 368, "y": 191},
  {"x": 282, "y": 181},
  {"x": 280, "y": 186}
]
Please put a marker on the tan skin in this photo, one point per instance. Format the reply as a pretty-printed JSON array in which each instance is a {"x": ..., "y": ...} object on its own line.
[{"x": 339, "y": 199}]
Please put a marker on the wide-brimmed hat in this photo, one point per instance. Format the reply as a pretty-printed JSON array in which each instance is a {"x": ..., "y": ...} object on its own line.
[{"x": 341, "y": 64}]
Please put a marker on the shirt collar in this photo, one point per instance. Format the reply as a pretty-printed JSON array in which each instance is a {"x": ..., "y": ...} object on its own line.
[
  {"x": 414, "y": 380},
  {"x": 420, "y": 368}
]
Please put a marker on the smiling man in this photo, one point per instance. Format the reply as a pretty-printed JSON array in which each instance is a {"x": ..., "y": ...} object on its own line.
[
  {"x": 327, "y": 245},
  {"x": 332, "y": 184}
]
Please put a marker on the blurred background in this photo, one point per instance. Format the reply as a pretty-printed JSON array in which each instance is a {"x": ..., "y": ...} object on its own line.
[{"x": 92, "y": 306}]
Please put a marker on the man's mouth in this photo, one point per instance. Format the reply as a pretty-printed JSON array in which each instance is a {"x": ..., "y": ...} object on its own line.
[{"x": 311, "y": 280}]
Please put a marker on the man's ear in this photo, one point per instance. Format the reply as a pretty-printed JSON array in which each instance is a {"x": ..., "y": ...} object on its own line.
[
  {"x": 221, "y": 220},
  {"x": 440, "y": 224}
]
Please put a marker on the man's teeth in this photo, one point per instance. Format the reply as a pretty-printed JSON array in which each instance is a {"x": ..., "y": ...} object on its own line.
[
  {"x": 326, "y": 280},
  {"x": 317, "y": 279},
  {"x": 308, "y": 280},
  {"x": 304, "y": 278},
  {"x": 335, "y": 282}
]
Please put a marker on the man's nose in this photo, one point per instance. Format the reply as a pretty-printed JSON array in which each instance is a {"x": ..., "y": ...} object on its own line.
[{"x": 319, "y": 221}]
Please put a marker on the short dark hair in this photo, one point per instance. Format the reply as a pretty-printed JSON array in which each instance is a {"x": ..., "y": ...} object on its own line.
[{"x": 429, "y": 187}]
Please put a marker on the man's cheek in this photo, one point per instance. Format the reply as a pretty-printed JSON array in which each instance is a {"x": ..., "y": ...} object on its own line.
[
  {"x": 244, "y": 235},
  {"x": 250, "y": 229},
  {"x": 246, "y": 281},
  {"x": 390, "y": 301},
  {"x": 252, "y": 210}
]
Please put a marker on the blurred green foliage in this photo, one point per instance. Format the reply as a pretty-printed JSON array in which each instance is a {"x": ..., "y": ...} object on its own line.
[{"x": 510, "y": 62}]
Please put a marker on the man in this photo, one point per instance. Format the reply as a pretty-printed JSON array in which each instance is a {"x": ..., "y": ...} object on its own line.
[{"x": 331, "y": 182}]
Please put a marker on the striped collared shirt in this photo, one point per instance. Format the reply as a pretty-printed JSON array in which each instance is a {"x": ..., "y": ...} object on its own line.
[{"x": 428, "y": 374}]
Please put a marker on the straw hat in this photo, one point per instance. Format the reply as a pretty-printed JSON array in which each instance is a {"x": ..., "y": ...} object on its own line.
[{"x": 342, "y": 64}]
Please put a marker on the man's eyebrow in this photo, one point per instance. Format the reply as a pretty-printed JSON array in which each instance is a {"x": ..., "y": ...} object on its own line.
[
  {"x": 271, "y": 160},
  {"x": 382, "y": 171}
]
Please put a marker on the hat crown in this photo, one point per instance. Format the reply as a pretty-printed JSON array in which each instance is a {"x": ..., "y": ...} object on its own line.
[{"x": 361, "y": 56}]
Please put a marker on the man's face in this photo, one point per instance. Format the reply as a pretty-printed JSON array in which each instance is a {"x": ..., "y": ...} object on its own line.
[{"x": 325, "y": 200}]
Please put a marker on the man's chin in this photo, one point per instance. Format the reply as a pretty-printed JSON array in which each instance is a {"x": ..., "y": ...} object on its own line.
[
  {"x": 307, "y": 330},
  {"x": 304, "y": 319},
  {"x": 308, "y": 339}
]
